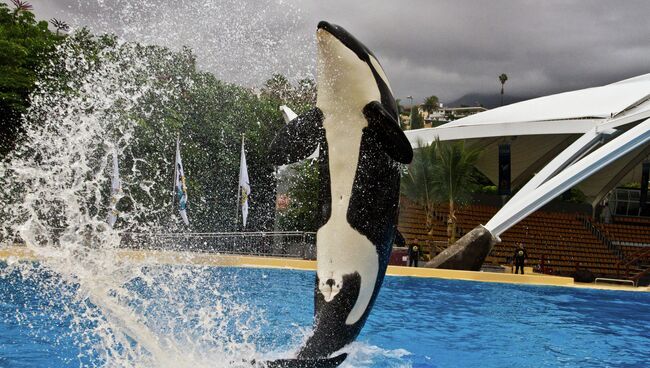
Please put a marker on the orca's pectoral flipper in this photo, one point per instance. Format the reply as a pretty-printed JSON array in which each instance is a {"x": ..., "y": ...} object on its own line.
[
  {"x": 287, "y": 114},
  {"x": 307, "y": 363},
  {"x": 298, "y": 139},
  {"x": 391, "y": 137}
]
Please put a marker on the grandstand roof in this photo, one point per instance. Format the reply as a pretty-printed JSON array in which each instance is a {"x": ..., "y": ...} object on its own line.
[{"x": 540, "y": 128}]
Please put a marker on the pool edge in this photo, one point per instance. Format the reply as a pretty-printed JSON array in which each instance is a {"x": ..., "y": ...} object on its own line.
[{"x": 14, "y": 253}]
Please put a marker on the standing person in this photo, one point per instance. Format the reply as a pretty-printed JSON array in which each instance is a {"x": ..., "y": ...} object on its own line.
[
  {"x": 414, "y": 253},
  {"x": 520, "y": 258}
]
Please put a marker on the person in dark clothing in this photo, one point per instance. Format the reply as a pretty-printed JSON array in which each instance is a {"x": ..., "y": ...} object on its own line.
[
  {"x": 520, "y": 258},
  {"x": 414, "y": 253}
]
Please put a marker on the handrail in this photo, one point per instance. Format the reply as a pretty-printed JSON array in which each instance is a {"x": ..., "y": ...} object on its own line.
[
  {"x": 616, "y": 249},
  {"x": 263, "y": 243},
  {"x": 630, "y": 260},
  {"x": 614, "y": 280},
  {"x": 639, "y": 275}
]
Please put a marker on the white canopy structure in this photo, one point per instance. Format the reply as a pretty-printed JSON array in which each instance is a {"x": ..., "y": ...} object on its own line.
[{"x": 595, "y": 137}]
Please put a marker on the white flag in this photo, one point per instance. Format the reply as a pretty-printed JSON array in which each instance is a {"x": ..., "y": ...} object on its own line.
[
  {"x": 116, "y": 191},
  {"x": 181, "y": 188},
  {"x": 244, "y": 185}
]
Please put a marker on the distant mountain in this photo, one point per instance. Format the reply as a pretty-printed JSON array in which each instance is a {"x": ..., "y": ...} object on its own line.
[{"x": 489, "y": 101}]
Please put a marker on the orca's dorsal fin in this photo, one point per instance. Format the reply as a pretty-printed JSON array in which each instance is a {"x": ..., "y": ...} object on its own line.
[
  {"x": 392, "y": 139},
  {"x": 298, "y": 139}
]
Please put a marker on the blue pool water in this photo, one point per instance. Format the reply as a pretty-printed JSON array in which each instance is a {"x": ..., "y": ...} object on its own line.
[{"x": 415, "y": 323}]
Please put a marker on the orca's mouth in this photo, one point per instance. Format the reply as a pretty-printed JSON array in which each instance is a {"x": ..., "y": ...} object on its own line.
[
  {"x": 327, "y": 27},
  {"x": 345, "y": 38}
]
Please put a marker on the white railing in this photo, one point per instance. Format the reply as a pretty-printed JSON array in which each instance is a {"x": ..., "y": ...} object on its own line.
[{"x": 284, "y": 244}]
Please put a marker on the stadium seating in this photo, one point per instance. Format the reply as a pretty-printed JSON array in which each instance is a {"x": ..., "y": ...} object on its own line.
[{"x": 561, "y": 238}]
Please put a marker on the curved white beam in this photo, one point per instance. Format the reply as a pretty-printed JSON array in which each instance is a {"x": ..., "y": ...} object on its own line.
[
  {"x": 561, "y": 161},
  {"x": 569, "y": 177},
  {"x": 617, "y": 177}
]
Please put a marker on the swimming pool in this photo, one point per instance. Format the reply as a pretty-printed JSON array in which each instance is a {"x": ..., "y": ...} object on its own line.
[{"x": 416, "y": 322}]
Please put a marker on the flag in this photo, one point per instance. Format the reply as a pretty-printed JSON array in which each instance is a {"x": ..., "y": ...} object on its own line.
[
  {"x": 181, "y": 188},
  {"x": 116, "y": 191},
  {"x": 244, "y": 185}
]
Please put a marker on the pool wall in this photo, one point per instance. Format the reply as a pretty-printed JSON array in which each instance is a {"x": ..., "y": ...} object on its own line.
[{"x": 228, "y": 260}]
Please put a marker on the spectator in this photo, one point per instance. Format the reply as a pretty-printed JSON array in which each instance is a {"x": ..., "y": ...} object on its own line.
[
  {"x": 606, "y": 214},
  {"x": 520, "y": 258},
  {"x": 414, "y": 253}
]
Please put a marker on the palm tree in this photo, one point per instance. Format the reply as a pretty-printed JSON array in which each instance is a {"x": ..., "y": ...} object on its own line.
[
  {"x": 431, "y": 104},
  {"x": 503, "y": 78},
  {"x": 59, "y": 25},
  {"x": 452, "y": 180},
  {"x": 20, "y": 7},
  {"x": 417, "y": 180}
]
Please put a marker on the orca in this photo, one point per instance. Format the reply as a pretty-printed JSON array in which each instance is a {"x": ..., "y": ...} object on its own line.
[{"x": 355, "y": 127}]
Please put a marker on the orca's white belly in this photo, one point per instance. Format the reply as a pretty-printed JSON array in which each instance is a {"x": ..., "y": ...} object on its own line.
[{"x": 340, "y": 249}]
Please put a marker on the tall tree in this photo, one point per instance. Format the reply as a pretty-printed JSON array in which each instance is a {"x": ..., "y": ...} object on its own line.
[
  {"x": 25, "y": 46},
  {"x": 417, "y": 180},
  {"x": 502, "y": 78},
  {"x": 302, "y": 197},
  {"x": 431, "y": 104},
  {"x": 453, "y": 179},
  {"x": 279, "y": 88},
  {"x": 59, "y": 25},
  {"x": 416, "y": 119}
]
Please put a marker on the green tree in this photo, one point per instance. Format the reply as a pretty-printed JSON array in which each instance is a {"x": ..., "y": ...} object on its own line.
[
  {"x": 431, "y": 104},
  {"x": 442, "y": 172},
  {"x": 301, "y": 209},
  {"x": 453, "y": 178},
  {"x": 25, "y": 46},
  {"x": 417, "y": 180},
  {"x": 502, "y": 78},
  {"x": 416, "y": 119},
  {"x": 279, "y": 88},
  {"x": 158, "y": 95},
  {"x": 305, "y": 93}
]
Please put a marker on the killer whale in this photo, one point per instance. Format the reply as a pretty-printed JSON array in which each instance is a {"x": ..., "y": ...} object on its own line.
[{"x": 355, "y": 127}]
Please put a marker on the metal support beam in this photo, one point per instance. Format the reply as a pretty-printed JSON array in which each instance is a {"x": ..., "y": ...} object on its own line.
[
  {"x": 569, "y": 177},
  {"x": 621, "y": 174},
  {"x": 530, "y": 171},
  {"x": 569, "y": 155}
]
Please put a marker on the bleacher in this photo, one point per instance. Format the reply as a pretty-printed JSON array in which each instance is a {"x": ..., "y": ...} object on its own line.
[
  {"x": 561, "y": 238},
  {"x": 631, "y": 234},
  {"x": 412, "y": 224}
]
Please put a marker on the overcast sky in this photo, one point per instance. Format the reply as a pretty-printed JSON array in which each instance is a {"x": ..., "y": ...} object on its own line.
[{"x": 447, "y": 48}]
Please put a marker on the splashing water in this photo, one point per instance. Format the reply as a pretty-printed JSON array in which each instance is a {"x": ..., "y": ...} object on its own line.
[
  {"x": 242, "y": 42},
  {"x": 55, "y": 194}
]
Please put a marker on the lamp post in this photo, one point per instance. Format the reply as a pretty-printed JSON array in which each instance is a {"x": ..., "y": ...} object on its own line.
[{"x": 411, "y": 115}]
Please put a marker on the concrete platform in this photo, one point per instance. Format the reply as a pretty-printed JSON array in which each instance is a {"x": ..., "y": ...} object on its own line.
[{"x": 227, "y": 260}]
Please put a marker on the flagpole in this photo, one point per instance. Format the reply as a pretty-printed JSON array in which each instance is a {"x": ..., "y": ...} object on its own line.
[
  {"x": 178, "y": 137},
  {"x": 239, "y": 184}
]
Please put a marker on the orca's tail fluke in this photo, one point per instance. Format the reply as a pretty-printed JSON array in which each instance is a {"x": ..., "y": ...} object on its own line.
[{"x": 307, "y": 363}]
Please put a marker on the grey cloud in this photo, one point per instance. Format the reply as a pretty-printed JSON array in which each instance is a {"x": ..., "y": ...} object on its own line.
[{"x": 448, "y": 48}]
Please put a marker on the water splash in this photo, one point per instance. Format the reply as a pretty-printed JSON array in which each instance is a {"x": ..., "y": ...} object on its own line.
[
  {"x": 242, "y": 42},
  {"x": 55, "y": 191},
  {"x": 94, "y": 99}
]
